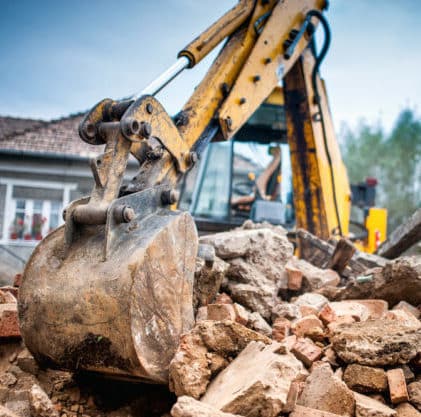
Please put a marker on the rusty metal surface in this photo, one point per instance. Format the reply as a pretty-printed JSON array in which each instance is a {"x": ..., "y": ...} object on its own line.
[
  {"x": 121, "y": 316},
  {"x": 266, "y": 64},
  {"x": 223, "y": 27},
  {"x": 151, "y": 116}
]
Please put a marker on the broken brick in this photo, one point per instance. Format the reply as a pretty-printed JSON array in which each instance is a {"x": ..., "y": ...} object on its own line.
[
  {"x": 306, "y": 351},
  {"x": 220, "y": 312},
  {"x": 397, "y": 386},
  {"x": 9, "y": 324},
  {"x": 327, "y": 314},
  {"x": 308, "y": 326},
  {"x": 280, "y": 329},
  {"x": 295, "y": 278}
]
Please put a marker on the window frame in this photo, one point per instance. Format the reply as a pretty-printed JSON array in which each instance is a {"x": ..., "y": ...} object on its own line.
[{"x": 10, "y": 205}]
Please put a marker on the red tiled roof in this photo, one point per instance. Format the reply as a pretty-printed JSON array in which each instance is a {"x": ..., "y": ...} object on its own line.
[{"x": 36, "y": 136}]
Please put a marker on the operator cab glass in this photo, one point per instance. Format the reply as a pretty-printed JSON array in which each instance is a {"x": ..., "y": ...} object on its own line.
[{"x": 246, "y": 178}]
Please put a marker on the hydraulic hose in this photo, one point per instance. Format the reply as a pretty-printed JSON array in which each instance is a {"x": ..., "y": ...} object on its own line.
[{"x": 319, "y": 58}]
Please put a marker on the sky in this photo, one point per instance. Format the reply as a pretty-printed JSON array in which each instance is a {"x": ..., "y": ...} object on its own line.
[{"x": 61, "y": 57}]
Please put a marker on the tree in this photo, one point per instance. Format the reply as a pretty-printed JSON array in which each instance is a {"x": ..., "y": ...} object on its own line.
[{"x": 394, "y": 159}]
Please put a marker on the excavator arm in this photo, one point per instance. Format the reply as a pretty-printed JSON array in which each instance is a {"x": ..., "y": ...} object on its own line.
[{"x": 111, "y": 290}]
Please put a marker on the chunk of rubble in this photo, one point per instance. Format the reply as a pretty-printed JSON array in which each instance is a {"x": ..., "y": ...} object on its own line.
[
  {"x": 409, "y": 308},
  {"x": 6, "y": 412},
  {"x": 318, "y": 301},
  {"x": 220, "y": 312},
  {"x": 356, "y": 310},
  {"x": 376, "y": 342},
  {"x": 398, "y": 391},
  {"x": 7, "y": 297},
  {"x": 257, "y": 259},
  {"x": 189, "y": 407},
  {"x": 407, "y": 410},
  {"x": 308, "y": 326},
  {"x": 300, "y": 411},
  {"x": 403, "y": 317},
  {"x": 313, "y": 278},
  {"x": 256, "y": 383},
  {"x": 203, "y": 351},
  {"x": 306, "y": 351},
  {"x": 414, "y": 391},
  {"x": 323, "y": 391},
  {"x": 208, "y": 277},
  {"x": 244, "y": 243},
  {"x": 368, "y": 407},
  {"x": 259, "y": 324},
  {"x": 280, "y": 329},
  {"x": 399, "y": 280},
  {"x": 40, "y": 404},
  {"x": 288, "y": 311},
  {"x": 365, "y": 379},
  {"x": 9, "y": 323}
]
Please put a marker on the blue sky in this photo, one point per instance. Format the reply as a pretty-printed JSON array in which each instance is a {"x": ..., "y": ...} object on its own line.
[{"x": 61, "y": 57}]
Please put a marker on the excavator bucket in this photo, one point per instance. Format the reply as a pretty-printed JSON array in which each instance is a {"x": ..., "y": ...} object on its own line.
[{"x": 117, "y": 298}]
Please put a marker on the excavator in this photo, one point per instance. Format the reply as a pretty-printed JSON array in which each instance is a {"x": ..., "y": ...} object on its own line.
[{"x": 110, "y": 291}]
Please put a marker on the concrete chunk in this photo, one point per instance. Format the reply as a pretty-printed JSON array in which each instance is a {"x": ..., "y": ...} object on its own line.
[
  {"x": 314, "y": 278},
  {"x": 40, "y": 403},
  {"x": 365, "y": 379},
  {"x": 300, "y": 411},
  {"x": 257, "y": 259},
  {"x": 256, "y": 383},
  {"x": 202, "y": 351},
  {"x": 406, "y": 410},
  {"x": 403, "y": 305},
  {"x": 376, "y": 342},
  {"x": 414, "y": 391},
  {"x": 189, "y": 407},
  {"x": 325, "y": 392},
  {"x": 368, "y": 407}
]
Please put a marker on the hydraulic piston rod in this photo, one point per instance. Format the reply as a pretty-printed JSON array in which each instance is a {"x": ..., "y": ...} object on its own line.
[{"x": 159, "y": 83}]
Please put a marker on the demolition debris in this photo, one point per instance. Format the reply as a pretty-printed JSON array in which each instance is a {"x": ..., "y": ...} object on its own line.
[{"x": 332, "y": 332}]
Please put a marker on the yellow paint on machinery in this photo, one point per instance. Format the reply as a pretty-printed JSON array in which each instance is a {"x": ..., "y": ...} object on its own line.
[{"x": 111, "y": 291}]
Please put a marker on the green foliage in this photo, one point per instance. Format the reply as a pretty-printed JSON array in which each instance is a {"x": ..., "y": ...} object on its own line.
[{"x": 394, "y": 159}]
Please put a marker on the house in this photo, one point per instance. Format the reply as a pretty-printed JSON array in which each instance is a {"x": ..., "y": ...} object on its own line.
[{"x": 43, "y": 166}]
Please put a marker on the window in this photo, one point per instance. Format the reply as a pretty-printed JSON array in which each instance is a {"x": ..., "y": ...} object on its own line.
[
  {"x": 34, "y": 219},
  {"x": 33, "y": 209}
]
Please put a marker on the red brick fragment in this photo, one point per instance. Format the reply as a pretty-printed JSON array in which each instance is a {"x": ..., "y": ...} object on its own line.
[
  {"x": 295, "y": 278},
  {"x": 280, "y": 329},
  {"x": 306, "y": 351},
  {"x": 327, "y": 314},
  {"x": 308, "y": 326},
  {"x": 9, "y": 324},
  {"x": 221, "y": 312},
  {"x": 397, "y": 386}
]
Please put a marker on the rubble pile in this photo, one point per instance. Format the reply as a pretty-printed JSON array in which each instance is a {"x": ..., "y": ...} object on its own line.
[{"x": 331, "y": 333}]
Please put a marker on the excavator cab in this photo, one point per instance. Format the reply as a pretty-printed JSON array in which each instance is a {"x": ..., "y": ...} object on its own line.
[{"x": 249, "y": 177}]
